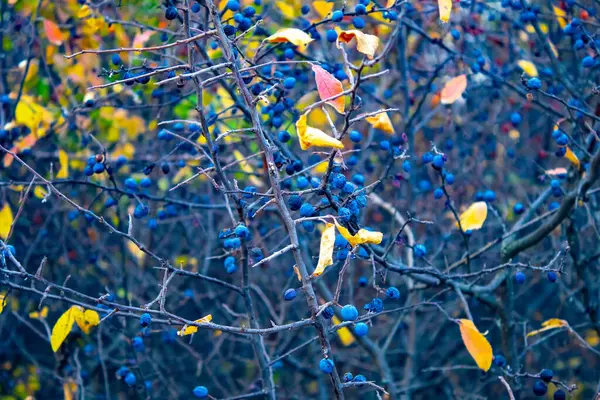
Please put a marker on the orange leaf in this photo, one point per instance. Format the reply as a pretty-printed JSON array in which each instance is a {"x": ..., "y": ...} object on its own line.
[
  {"x": 569, "y": 155},
  {"x": 453, "y": 89},
  {"x": 382, "y": 122},
  {"x": 53, "y": 32},
  {"x": 366, "y": 44},
  {"x": 329, "y": 86},
  {"x": 477, "y": 345}
]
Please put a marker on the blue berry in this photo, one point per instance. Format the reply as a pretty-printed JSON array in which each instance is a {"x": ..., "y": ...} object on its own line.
[
  {"x": 328, "y": 313},
  {"x": 295, "y": 202},
  {"x": 546, "y": 375},
  {"x": 146, "y": 182},
  {"x": 249, "y": 12},
  {"x": 540, "y": 388},
  {"x": 230, "y": 31},
  {"x": 131, "y": 184},
  {"x": 562, "y": 140},
  {"x": 196, "y": 8},
  {"x": 552, "y": 276},
  {"x": 200, "y": 392},
  {"x": 560, "y": 395},
  {"x": 337, "y": 16},
  {"x": 344, "y": 214},
  {"x": 307, "y": 210},
  {"x": 438, "y": 161},
  {"x": 305, "y": 9},
  {"x": 450, "y": 179},
  {"x": 241, "y": 231},
  {"x": 98, "y": 168},
  {"x": 348, "y": 377},
  {"x": 233, "y": 5},
  {"x": 358, "y": 22},
  {"x": 516, "y": 118},
  {"x": 349, "y": 313},
  {"x": 406, "y": 166},
  {"x": 331, "y": 35},
  {"x": 360, "y": 9},
  {"x": 455, "y": 34},
  {"x": 534, "y": 83},
  {"x": 326, "y": 365},
  {"x": 588, "y": 62},
  {"x": 520, "y": 277},
  {"x": 284, "y": 136},
  {"x": 116, "y": 59},
  {"x": 130, "y": 379},
  {"x": 420, "y": 250},
  {"x": 290, "y": 294},
  {"x": 518, "y": 208},
  {"x": 500, "y": 361},
  {"x": 427, "y": 158},
  {"x": 489, "y": 195},
  {"x": 302, "y": 183},
  {"x": 145, "y": 320},
  {"x": 338, "y": 181},
  {"x": 392, "y": 293},
  {"x": 289, "y": 83},
  {"x": 361, "y": 329},
  {"x": 170, "y": 14},
  {"x": 138, "y": 343}
]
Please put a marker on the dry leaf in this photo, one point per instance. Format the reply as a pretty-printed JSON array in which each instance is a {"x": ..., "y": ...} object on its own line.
[
  {"x": 2, "y": 301},
  {"x": 363, "y": 236},
  {"x": 382, "y": 122},
  {"x": 53, "y": 32},
  {"x": 453, "y": 89},
  {"x": 474, "y": 216},
  {"x": 445, "y": 7},
  {"x": 309, "y": 136},
  {"x": 297, "y": 271},
  {"x": 528, "y": 67},
  {"x": 63, "y": 326},
  {"x": 477, "y": 345},
  {"x": 292, "y": 35},
  {"x": 552, "y": 323},
  {"x": 326, "y": 250},
  {"x": 188, "y": 330},
  {"x": 329, "y": 86},
  {"x": 366, "y": 44},
  {"x": 6, "y": 220}
]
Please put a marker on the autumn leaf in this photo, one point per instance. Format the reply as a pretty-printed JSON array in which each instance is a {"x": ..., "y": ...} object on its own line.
[
  {"x": 287, "y": 10},
  {"x": 560, "y": 16},
  {"x": 382, "y": 122},
  {"x": 528, "y": 67},
  {"x": 477, "y": 345},
  {"x": 552, "y": 323},
  {"x": 474, "y": 216},
  {"x": 63, "y": 326},
  {"x": 53, "y": 32},
  {"x": 323, "y": 8},
  {"x": 365, "y": 44},
  {"x": 453, "y": 89},
  {"x": 445, "y": 7},
  {"x": 292, "y": 35},
  {"x": 363, "y": 236},
  {"x": 188, "y": 330},
  {"x": 569, "y": 155},
  {"x": 326, "y": 249},
  {"x": 329, "y": 86},
  {"x": 39, "y": 314},
  {"x": 136, "y": 252},
  {"x": 297, "y": 272},
  {"x": 343, "y": 333},
  {"x": 2, "y": 301},
  {"x": 63, "y": 159},
  {"x": 6, "y": 220},
  {"x": 87, "y": 320},
  {"x": 309, "y": 136}
]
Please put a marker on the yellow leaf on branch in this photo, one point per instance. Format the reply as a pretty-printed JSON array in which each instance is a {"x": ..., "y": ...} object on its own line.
[
  {"x": 310, "y": 136},
  {"x": 188, "y": 330},
  {"x": 474, "y": 216},
  {"x": 363, "y": 236},
  {"x": 292, "y": 35},
  {"x": 6, "y": 220},
  {"x": 477, "y": 345},
  {"x": 326, "y": 250},
  {"x": 365, "y": 44},
  {"x": 552, "y": 323},
  {"x": 63, "y": 326},
  {"x": 382, "y": 122}
]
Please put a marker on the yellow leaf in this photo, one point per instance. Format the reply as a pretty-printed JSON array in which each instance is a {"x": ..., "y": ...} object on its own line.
[
  {"x": 453, "y": 89},
  {"x": 63, "y": 326},
  {"x": 477, "y": 345},
  {"x": 344, "y": 333},
  {"x": 382, "y": 122},
  {"x": 569, "y": 155},
  {"x": 326, "y": 250},
  {"x": 309, "y": 136},
  {"x": 39, "y": 192},
  {"x": 528, "y": 67},
  {"x": 365, "y": 44},
  {"x": 39, "y": 314},
  {"x": 136, "y": 252},
  {"x": 552, "y": 323},
  {"x": 363, "y": 236},
  {"x": 323, "y": 8},
  {"x": 560, "y": 16},
  {"x": 188, "y": 330},
  {"x": 2, "y": 301},
  {"x": 474, "y": 216},
  {"x": 445, "y": 7},
  {"x": 63, "y": 159},
  {"x": 287, "y": 10},
  {"x": 298, "y": 275},
  {"x": 87, "y": 320},
  {"x": 6, "y": 220},
  {"x": 70, "y": 390},
  {"x": 292, "y": 35}
]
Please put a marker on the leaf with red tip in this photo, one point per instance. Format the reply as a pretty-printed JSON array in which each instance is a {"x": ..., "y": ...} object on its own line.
[{"x": 329, "y": 86}]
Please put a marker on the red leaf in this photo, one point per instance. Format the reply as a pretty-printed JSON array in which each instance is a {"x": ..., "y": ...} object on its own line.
[{"x": 329, "y": 86}]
